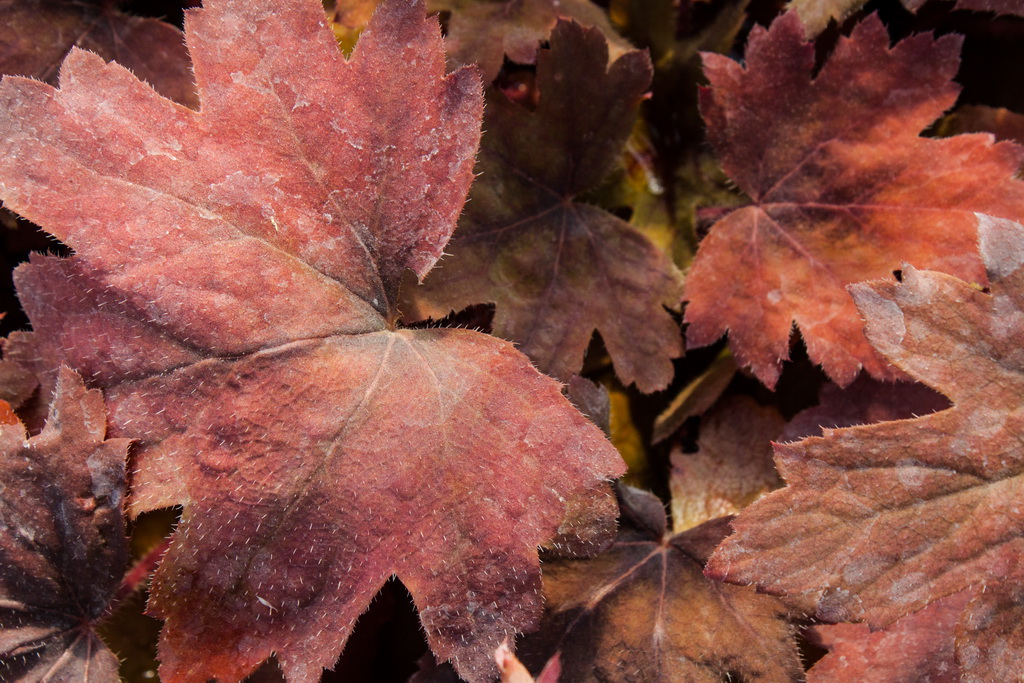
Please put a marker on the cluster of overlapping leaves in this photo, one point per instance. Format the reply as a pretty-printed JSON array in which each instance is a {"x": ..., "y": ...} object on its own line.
[{"x": 393, "y": 289}]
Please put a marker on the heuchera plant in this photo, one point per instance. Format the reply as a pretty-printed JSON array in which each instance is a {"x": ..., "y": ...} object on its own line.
[{"x": 386, "y": 296}]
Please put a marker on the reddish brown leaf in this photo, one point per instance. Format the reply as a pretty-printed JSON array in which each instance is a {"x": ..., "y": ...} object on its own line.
[
  {"x": 62, "y": 544},
  {"x": 733, "y": 466},
  {"x": 991, "y": 630},
  {"x": 842, "y": 189},
  {"x": 591, "y": 399},
  {"x": 482, "y": 32},
  {"x": 557, "y": 268},
  {"x": 644, "y": 606},
  {"x": 916, "y": 649},
  {"x": 878, "y": 521},
  {"x": 37, "y": 35},
  {"x": 233, "y": 291}
]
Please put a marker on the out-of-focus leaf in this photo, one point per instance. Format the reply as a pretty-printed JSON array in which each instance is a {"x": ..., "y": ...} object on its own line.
[
  {"x": 348, "y": 19},
  {"x": 513, "y": 671},
  {"x": 1012, "y": 7},
  {"x": 483, "y": 32},
  {"x": 37, "y": 35},
  {"x": 842, "y": 186},
  {"x": 919, "y": 648},
  {"x": 733, "y": 466},
  {"x": 974, "y": 118},
  {"x": 62, "y": 545},
  {"x": 626, "y": 436},
  {"x": 649, "y": 23},
  {"x": 592, "y": 400},
  {"x": 879, "y": 521},
  {"x": 696, "y": 397},
  {"x": 233, "y": 292},
  {"x": 816, "y": 14},
  {"x": 644, "y": 607},
  {"x": 555, "y": 267}
]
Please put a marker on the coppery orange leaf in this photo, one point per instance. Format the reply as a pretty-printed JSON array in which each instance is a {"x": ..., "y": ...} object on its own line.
[
  {"x": 879, "y": 521},
  {"x": 842, "y": 189}
]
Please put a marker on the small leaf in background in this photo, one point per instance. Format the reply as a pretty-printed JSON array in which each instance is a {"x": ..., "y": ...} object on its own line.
[
  {"x": 733, "y": 466},
  {"x": 1011, "y": 7},
  {"x": 866, "y": 401},
  {"x": 513, "y": 671},
  {"x": 348, "y": 18},
  {"x": 63, "y": 550},
  {"x": 233, "y": 292},
  {"x": 842, "y": 189},
  {"x": 976, "y": 118},
  {"x": 591, "y": 399},
  {"x": 919, "y": 648},
  {"x": 696, "y": 397},
  {"x": 645, "y": 606},
  {"x": 816, "y": 14},
  {"x": 37, "y": 35},
  {"x": 526, "y": 242},
  {"x": 483, "y": 32},
  {"x": 879, "y": 521}
]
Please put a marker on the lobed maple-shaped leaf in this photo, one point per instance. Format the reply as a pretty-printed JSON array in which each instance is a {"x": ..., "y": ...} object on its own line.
[
  {"x": 233, "y": 291},
  {"x": 644, "y": 606},
  {"x": 879, "y": 521},
  {"x": 482, "y": 32},
  {"x": 555, "y": 267},
  {"x": 63, "y": 549},
  {"x": 917, "y": 648},
  {"x": 842, "y": 187},
  {"x": 37, "y": 35}
]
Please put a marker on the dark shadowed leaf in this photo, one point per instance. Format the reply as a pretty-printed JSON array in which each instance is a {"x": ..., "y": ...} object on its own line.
[
  {"x": 842, "y": 189},
  {"x": 233, "y": 291},
  {"x": 483, "y": 32},
  {"x": 527, "y": 244},
  {"x": 644, "y": 607},
  {"x": 1013, "y": 7},
  {"x": 879, "y": 521},
  {"x": 62, "y": 545},
  {"x": 37, "y": 35},
  {"x": 817, "y": 14},
  {"x": 866, "y": 401}
]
